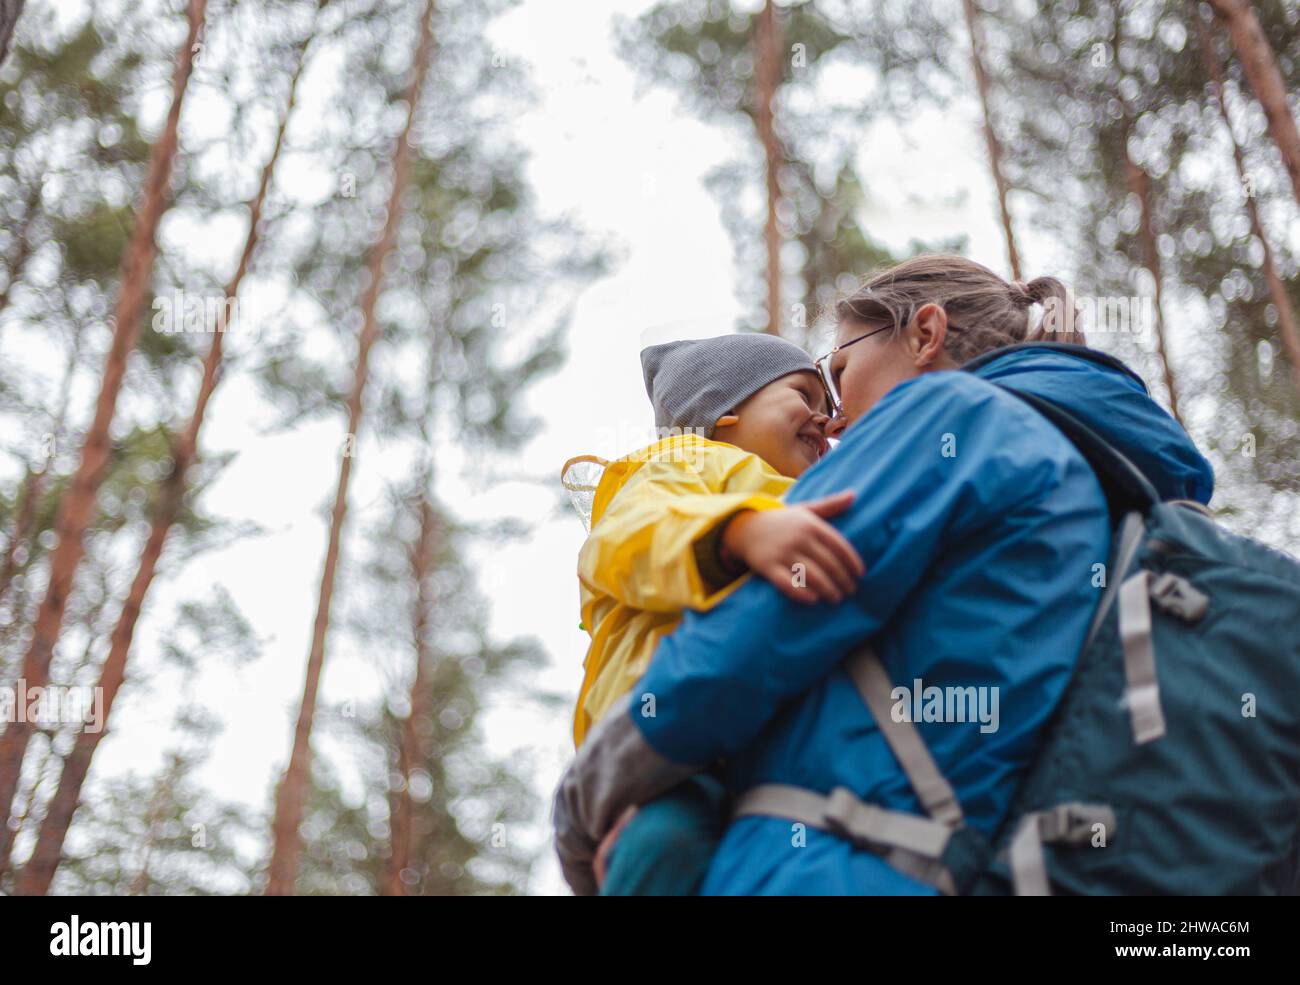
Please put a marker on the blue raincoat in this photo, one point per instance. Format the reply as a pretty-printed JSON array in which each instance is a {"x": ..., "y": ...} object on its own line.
[{"x": 981, "y": 527}]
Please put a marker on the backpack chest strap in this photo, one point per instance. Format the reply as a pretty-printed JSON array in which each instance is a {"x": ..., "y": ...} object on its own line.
[{"x": 913, "y": 845}]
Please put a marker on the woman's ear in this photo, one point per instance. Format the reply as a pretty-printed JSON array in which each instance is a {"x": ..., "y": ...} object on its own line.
[
  {"x": 931, "y": 332},
  {"x": 726, "y": 420}
]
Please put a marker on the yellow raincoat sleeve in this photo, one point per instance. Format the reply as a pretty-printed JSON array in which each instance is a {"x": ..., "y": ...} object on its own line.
[{"x": 641, "y": 551}]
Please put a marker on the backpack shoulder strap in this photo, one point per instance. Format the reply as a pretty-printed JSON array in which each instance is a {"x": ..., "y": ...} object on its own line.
[{"x": 932, "y": 789}]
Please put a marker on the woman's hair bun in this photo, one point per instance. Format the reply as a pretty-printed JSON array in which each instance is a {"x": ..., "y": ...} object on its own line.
[
  {"x": 1057, "y": 323},
  {"x": 1036, "y": 291}
]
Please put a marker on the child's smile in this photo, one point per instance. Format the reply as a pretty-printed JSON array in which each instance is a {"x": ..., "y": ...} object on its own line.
[{"x": 816, "y": 443}]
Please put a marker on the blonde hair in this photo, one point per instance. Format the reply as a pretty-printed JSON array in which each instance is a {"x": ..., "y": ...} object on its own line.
[{"x": 984, "y": 311}]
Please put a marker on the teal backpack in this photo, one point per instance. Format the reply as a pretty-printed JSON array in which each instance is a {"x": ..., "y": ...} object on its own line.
[
  {"x": 1173, "y": 762},
  {"x": 1171, "y": 765}
]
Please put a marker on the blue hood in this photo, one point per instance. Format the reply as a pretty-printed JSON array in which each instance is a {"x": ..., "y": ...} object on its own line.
[{"x": 1110, "y": 398}]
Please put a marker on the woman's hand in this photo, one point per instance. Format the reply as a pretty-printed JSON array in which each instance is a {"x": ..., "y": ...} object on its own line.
[{"x": 797, "y": 550}]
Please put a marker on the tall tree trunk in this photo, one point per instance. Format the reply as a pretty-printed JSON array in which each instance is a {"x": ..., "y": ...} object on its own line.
[
  {"x": 990, "y": 135},
  {"x": 1286, "y": 317},
  {"x": 286, "y": 840},
  {"x": 10, "y": 11},
  {"x": 1139, "y": 184},
  {"x": 78, "y": 504},
  {"x": 36, "y": 876},
  {"x": 46, "y": 772},
  {"x": 1260, "y": 67},
  {"x": 767, "y": 78},
  {"x": 410, "y": 750}
]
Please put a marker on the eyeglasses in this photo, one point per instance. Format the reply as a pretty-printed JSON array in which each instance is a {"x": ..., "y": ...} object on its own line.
[{"x": 823, "y": 364}]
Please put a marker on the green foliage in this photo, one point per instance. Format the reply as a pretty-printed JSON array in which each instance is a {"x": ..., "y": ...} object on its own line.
[
  {"x": 157, "y": 836},
  {"x": 69, "y": 150},
  {"x": 92, "y": 244},
  {"x": 1073, "y": 107},
  {"x": 472, "y": 311},
  {"x": 704, "y": 51},
  {"x": 468, "y": 806},
  {"x": 479, "y": 285},
  {"x": 167, "y": 834}
]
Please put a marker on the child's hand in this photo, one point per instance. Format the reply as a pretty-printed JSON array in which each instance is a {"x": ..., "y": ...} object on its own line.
[{"x": 772, "y": 542}]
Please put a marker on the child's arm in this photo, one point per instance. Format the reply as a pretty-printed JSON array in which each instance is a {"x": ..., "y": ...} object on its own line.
[
  {"x": 647, "y": 549},
  {"x": 797, "y": 550},
  {"x": 642, "y": 550}
]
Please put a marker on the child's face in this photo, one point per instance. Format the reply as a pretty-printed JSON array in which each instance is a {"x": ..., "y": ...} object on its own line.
[{"x": 783, "y": 424}]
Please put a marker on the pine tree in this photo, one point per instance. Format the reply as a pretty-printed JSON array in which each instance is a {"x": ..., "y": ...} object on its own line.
[
  {"x": 471, "y": 316},
  {"x": 1123, "y": 148},
  {"x": 1288, "y": 327},
  {"x": 750, "y": 71},
  {"x": 10, "y": 11},
  {"x": 166, "y": 834},
  {"x": 475, "y": 297},
  {"x": 436, "y": 814},
  {"x": 39, "y": 870},
  {"x": 1261, "y": 69},
  {"x": 77, "y": 506},
  {"x": 991, "y": 140},
  {"x": 289, "y": 802},
  {"x": 62, "y": 120}
]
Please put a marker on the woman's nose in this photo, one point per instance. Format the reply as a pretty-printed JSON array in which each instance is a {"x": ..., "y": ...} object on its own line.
[{"x": 834, "y": 426}]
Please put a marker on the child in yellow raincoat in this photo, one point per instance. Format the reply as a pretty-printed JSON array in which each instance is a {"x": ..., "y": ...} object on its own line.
[{"x": 676, "y": 526}]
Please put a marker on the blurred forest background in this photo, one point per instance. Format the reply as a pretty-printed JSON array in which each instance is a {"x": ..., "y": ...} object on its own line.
[{"x": 320, "y": 206}]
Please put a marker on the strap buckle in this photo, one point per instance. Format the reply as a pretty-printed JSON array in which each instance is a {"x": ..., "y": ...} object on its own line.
[
  {"x": 915, "y": 846},
  {"x": 1176, "y": 596},
  {"x": 840, "y": 810},
  {"x": 880, "y": 828},
  {"x": 1072, "y": 823}
]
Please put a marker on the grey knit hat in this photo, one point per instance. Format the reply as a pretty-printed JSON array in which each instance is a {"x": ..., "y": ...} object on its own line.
[{"x": 693, "y": 383}]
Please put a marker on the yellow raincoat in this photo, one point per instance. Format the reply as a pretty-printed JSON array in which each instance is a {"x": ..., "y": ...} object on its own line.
[{"x": 638, "y": 569}]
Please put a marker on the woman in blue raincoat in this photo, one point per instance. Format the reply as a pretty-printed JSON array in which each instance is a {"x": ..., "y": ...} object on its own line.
[{"x": 982, "y": 529}]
